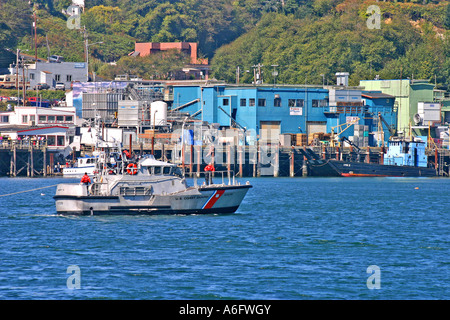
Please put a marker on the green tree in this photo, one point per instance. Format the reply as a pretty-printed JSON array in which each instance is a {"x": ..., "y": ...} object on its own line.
[
  {"x": 447, "y": 17},
  {"x": 161, "y": 65},
  {"x": 14, "y": 23}
]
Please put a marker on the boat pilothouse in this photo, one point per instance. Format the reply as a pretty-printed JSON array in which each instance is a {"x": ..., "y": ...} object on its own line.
[
  {"x": 147, "y": 186},
  {"x": 402, "y": 152}
]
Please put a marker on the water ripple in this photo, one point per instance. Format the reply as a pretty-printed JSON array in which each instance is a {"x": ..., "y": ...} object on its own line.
[{"x": 290, "y": 239}]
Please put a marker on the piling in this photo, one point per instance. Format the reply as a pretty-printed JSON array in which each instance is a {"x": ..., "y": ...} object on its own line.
[
  {"x": 305, "y": 167},
  {"x": 14, "y": 161},
  {"x": 291, "y": 163},
  {"x": 276, "y": 166},
  {"x": 44, "y": 160},
  {"x": 31, "y": 160}
]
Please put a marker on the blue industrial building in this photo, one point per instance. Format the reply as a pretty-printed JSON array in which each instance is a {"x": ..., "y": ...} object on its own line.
[
  {"x": 290, "y": 108},
  {"x": 287, "y": 109},
  {"x": 271, "y": 110},
  {"x": 374, "y": 109}
]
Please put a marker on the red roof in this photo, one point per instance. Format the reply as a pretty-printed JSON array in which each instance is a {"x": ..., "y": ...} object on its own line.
[{"x": 40, "y": 128}]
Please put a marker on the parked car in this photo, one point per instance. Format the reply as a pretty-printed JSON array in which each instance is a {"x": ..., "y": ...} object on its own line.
[
  {"x": 33, "y": 101},
  {"x": 41, "y": 86},
  {"x": 56, "y": 58},
  {"x": 60, "y": 86}
]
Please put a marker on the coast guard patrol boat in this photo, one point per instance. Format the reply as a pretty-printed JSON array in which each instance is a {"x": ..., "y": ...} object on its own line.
[{"x": 146, "y": 186}]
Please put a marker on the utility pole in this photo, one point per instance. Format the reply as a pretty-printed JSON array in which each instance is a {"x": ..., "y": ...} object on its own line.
[
  {"x": 257, "y": 66},
  {"x": 86, "y": 52},
  {"x": 23, "y": 82},
  {"x": 86, "y": 47},
  {"x": 259, "y": 72},
  {"x": 17, "y": 75},
  {"x": 35, "y": 35}
]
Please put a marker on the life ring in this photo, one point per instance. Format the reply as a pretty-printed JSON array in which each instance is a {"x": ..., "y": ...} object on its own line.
[{"x": 132, "y": 169}]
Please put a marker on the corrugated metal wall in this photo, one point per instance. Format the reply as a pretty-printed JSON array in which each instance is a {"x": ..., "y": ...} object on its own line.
[{"x": 103, "y": 104}]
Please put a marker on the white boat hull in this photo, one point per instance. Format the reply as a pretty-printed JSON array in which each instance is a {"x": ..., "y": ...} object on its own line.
[
  {"x": 195, "y": 200},
  {"x": 79, "y": 171}
]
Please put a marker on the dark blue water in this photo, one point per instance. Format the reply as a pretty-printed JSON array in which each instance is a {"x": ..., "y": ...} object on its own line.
[{"x": 292, "y": 238}]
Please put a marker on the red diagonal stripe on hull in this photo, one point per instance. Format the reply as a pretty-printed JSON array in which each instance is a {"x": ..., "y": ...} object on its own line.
[{"x": 216, "y": 196}]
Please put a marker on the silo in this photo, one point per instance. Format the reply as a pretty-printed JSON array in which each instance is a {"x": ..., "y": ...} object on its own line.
[{"x": 158, "y": 111}]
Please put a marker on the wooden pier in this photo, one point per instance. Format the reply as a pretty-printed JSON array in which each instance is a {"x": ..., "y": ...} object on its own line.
[
  {"x": 276, "y": 161},
  {"x": 26, "y": 158},
  {"x": 33, "y": 158}
]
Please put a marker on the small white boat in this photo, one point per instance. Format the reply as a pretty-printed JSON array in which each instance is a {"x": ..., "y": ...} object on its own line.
[{"x": 84, "y": 165}]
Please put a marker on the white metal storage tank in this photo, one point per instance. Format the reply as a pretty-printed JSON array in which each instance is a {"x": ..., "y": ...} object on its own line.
[{"x": 158, "y": 111}]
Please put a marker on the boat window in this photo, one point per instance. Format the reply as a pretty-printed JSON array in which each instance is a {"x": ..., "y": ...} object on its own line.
[
  {"x": 406, "y": 148},
  {"x": 166, "y": 170},
  {"x": 157, "y": 170}
]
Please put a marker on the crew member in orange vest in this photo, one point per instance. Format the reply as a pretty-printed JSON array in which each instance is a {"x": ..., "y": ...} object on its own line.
[
  {"x": 86, "y": 180},
  {"x": 209, "y": 169}
]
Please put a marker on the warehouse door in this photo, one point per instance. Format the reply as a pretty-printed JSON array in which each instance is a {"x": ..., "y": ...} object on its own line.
[
  {"x": 269, "y": 132},
  {"x": 317, "y": 126}
]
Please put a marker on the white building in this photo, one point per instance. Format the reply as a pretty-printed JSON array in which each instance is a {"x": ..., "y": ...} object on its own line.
[
  {"x": 37, "y": 116},
  {"x": 54, "y": 72},
  {"x": 57, "y": 137},
  {"x": 56, "y": 125}
]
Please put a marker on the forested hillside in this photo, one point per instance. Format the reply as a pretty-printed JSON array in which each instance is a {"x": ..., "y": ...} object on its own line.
[
  {"x": 309, "y": 40},
  {"x": 412, "y": 42}
]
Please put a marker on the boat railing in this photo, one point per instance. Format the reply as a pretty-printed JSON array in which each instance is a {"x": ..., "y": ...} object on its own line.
[
  {"x": 227, "y": 177},
  {"x": 97, "y": 188}
]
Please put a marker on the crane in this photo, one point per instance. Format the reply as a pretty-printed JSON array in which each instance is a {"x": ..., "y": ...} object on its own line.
[
  {"x": 382, "y": 121},
  {"x": 345, "y": 139},
  {"x": 344, "y": 126},
  {"x": 391, "y": 130}
]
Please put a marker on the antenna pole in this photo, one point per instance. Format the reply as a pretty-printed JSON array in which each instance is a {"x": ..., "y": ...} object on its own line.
[{"x": 35, "y": 36}]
